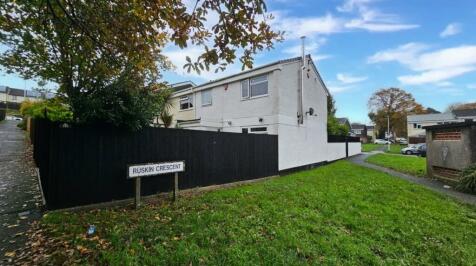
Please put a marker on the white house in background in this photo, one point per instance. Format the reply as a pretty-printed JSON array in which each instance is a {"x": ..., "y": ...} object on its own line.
[
  {"x": 276, "y": 98},
  {"x": 415, "y": 123},
  {"x": 12, "y": 98}
]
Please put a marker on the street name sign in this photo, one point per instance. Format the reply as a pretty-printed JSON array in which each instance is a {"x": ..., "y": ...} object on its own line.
[
  {"x": 139, "y": 170},
  {"x": 155, "y": 169}
]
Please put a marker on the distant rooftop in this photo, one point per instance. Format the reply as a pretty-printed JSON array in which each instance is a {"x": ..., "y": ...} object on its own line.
[
  {"x": 430, "y": 117},
  {"x": 448, "y": 116},
  {"x": 21, "y": 92},
  {"x": 357, "y": 126},
  {"x": 342, "y": 120}
]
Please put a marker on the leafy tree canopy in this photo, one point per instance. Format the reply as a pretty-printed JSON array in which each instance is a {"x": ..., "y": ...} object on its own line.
[
  {"x": 396, "y": 104},
  {"x": 333, "y": 126},
  {"x": 461, "y": 106},
  {"x": 89, "y": 47}
]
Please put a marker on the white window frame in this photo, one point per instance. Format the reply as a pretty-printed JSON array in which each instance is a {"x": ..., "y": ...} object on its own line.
[
  {"x": 211, "y": 97},
  {"x": 250, "y": 84},
  {"x": 189, "y": 98}
]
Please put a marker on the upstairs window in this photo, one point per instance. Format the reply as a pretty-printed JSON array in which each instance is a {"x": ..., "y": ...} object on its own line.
[
  {"x": 245, "y": 89},
  {"x": 206, "y": 97},
  {"x": 186, "y": 102},
  {"x": 254, "y": 87}
]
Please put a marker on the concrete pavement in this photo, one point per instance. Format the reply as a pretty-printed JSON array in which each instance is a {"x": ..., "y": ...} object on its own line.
[{"x": 20, "y": 199}]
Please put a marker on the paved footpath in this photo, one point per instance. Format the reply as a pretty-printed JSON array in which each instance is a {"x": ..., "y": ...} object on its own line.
[
  {"x": 432, "y": 184},
  {"x": 20, "y": 199}
]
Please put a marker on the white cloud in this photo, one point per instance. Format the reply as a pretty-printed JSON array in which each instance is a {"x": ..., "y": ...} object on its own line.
[
  {"x": 349, "y": 79},
  {"x": 431, "y": 67},
  {"x": 378, "y": 27},
  {"x": 464, "y": 55},
  {"x": 296, "y": 27},
  {"x": 433, "y": 76},
  {"x": 351, "y": 5},
  {"x": 404, "y": 54},
  {"x": 320, "y": 57},
  {"x": 311, "y": 46},
  {"x": 178, "y": 57},
  {"x": 451, "y": 29},
  {"x": 338, "y": 88},
  {"x": 371, "y": 19},
  {"x": 471, "y": 86},
  {"x": 444, "y": 84}
]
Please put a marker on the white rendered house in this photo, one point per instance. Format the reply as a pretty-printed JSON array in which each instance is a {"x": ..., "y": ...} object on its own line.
[{"x": 266, "y": 100}]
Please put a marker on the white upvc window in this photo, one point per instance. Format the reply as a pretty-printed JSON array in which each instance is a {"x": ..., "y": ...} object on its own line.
[
  {"x": 206, "y": 97},
  {"x": 186, "y": 102},
  {"x": 254, "y": 87}
]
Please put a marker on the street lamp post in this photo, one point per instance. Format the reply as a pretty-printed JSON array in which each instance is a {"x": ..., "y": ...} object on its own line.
[{"x": 388, "y": 132}]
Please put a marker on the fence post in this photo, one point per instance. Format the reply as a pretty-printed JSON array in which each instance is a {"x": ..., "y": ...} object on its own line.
[{"x": 346, "y": 147}]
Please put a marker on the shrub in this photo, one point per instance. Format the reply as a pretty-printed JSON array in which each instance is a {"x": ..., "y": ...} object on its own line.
[
  {"x": 52, "y": 109},
  {"x": 467, "y": 182}
]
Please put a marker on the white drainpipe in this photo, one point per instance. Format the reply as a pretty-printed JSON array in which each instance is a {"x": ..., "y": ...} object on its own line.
[{"x": 301, "y": 94}]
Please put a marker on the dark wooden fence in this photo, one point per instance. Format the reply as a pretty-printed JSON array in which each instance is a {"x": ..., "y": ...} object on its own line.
[
  {"x": 88, "y": 164},
  {"x": 335, "y": 138}
]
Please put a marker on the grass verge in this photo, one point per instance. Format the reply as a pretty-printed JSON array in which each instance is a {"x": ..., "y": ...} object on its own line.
[
  {"x": 339, "y": 214},
  {"x": 403, "y": 163}
]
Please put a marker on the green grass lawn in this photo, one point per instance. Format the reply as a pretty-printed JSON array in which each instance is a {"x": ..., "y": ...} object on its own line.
[
  {"x": 340, "y": 214},
  {"x": 403, "y": 163},
  {"x": 367, "y": 147},
  {"x": 394, "y": 148}
]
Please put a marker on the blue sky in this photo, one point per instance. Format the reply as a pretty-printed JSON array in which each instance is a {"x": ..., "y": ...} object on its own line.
[{"x": 425, "y": 47}]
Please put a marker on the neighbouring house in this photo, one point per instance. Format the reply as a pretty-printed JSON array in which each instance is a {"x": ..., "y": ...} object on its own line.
[
  {"x": 344, "y": 121},
  {"x": 359, "y": 130},
  {"x": 371, "y": 133},
  {"x": 450, "y": 148},
  {"x": 11, "y": 98},
  {"x": 416, "y": 123},
  {"x": 287, "y": 98}
]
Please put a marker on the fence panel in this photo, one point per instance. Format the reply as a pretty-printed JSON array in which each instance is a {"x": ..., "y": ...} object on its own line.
[{"x": 88, "y": 164}]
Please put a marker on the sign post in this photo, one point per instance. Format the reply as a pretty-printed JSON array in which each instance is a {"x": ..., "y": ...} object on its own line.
[
  {"x": 151, "y": 169},
  {"x": 175, "y": 186},
  {"x": 137, "y": 197}
]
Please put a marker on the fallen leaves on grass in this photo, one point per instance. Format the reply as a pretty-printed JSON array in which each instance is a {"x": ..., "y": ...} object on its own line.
[{"x": 10, "y": 254}]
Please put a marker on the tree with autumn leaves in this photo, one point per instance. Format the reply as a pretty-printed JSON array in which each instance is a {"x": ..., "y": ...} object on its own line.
[
  {"x": 396, "y": 104},
  {"x": 107, "y": 56}
]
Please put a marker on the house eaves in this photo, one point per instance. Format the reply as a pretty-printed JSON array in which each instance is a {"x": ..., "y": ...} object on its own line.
[{"x": 267, "y": 68}]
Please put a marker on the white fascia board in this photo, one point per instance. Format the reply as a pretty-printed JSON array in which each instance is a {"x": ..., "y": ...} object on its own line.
[{"x": 235, "y": 78}]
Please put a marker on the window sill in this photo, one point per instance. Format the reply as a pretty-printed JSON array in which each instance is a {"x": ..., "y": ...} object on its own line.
[
  {"x": 255, "y": 97},
  {"x": 184, "y": 110},
  {"x": 205, "y": 105}
]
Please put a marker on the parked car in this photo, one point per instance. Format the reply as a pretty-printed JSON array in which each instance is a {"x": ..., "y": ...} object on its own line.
[
  {"x": 381, "y": 141},
  {"x": 403, "y": 142},
  {"x": 422, "y": 150},
  {"x": 413, "y": 149}
]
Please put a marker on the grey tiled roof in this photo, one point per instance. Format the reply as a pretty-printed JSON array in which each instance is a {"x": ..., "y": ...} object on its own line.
[
  {"x": 357, "y": 126},
  {"x": 342, "y": 120},
  {"x": 430, "y": 117}
]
